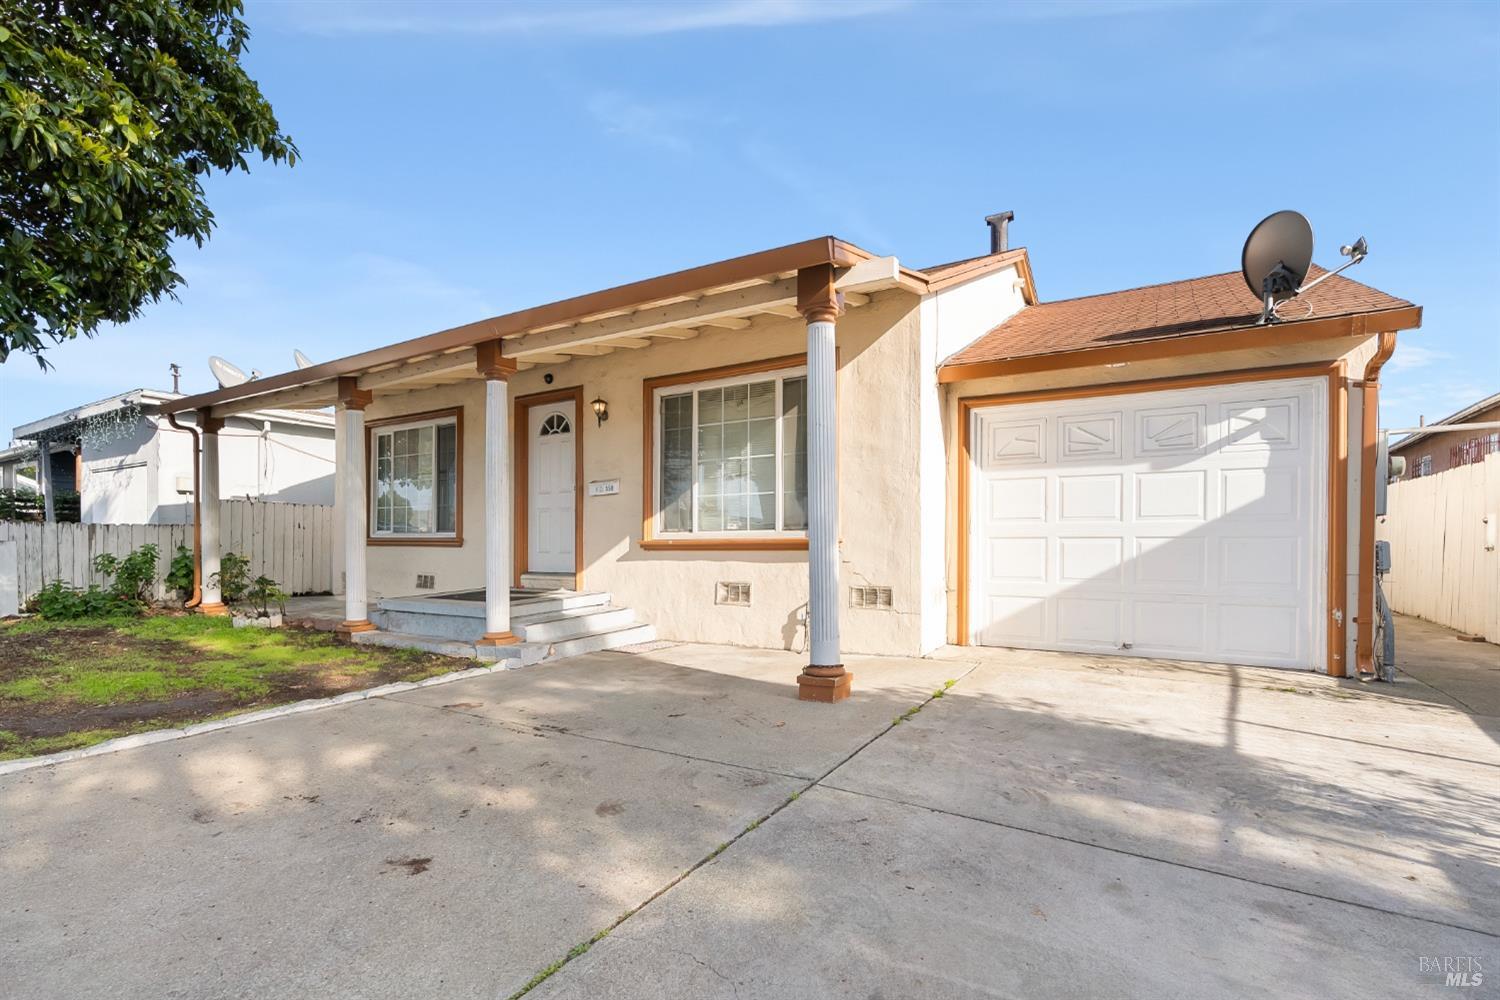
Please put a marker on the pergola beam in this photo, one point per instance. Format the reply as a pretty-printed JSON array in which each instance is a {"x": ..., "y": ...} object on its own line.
[
  {"x": 413, "y": 370},
  {"x": 739, "y": 303},
  {"x": 302, "y": 397}
]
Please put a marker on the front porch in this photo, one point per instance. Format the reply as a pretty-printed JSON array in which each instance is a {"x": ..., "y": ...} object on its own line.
[{"x": 547, "y": 624}]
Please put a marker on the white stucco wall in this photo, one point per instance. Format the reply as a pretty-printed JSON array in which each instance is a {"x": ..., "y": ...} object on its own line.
[
  {"x": 878, "y": 385},
  {"x": 950, "y": 320},
  {"x": 117, "y": 477}
]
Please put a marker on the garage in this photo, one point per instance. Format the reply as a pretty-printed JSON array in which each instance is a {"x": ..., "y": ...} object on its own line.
[{"x": 1184, "y": 523}]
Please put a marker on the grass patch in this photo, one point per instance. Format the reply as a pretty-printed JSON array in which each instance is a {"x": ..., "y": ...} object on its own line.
[{"x": 71, "y": 684}]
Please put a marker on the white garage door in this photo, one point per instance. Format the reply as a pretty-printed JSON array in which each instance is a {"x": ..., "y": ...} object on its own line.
[{"x": 1187, "y": 524}]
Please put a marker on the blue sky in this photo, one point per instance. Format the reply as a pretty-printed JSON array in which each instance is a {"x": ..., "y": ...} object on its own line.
[{"x": 464, "y": 160}]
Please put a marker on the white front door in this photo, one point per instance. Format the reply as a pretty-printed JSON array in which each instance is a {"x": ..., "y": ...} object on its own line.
[
  {"x": 551, "y": 488},
  {"x": 1186, "y": 524}
]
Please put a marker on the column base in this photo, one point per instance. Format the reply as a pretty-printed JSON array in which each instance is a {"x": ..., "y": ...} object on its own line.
[
  {"x": 350, "y": 627},
  {"x": 497, "y": 639},
  {"x": 824, "y": 686},
  {"x": 217, "y": 610}
]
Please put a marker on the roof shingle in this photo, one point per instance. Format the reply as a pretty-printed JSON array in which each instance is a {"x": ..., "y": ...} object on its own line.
[{"x": 1213, "y": 304}]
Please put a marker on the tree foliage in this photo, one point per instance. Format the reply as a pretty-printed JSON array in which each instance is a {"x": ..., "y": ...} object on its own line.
[{"x": 111, "y": 114}]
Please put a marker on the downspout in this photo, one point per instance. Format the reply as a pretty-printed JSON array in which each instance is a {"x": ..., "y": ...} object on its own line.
[
  {"x": 197, "y": 595},
  {"x": 1364, "y": 649}
]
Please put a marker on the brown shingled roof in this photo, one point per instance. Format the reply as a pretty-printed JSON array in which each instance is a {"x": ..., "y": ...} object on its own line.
[{"x": 1215, "y": 304}]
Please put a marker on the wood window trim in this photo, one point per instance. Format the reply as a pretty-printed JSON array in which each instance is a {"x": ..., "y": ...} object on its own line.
[
  {"x": 457, "y": 539},
  {"x": 1336, "y": 372},
  {"x": 650, "y": 543},
  {"x": 520, "y": 503}
]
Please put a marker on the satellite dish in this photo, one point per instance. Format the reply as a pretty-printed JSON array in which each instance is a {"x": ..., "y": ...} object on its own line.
[
  {"x": 1276, "y": 258},
  {"x": 226, "y": 373},
  {"x": 303, "y": 361}
]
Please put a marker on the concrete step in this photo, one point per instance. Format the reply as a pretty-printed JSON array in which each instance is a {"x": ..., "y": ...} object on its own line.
[
  {"x": 555, "y": 626},
  {"x": 592, "y": 643},
  {"x": 408, "y": 640},
  {"x": 554, "y": 602},
  {"x": 547, "y": 581}
]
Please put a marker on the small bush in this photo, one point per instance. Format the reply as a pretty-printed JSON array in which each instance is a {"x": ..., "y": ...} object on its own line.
[
  {"x": 180, "y": 575},
  {"x": 61, "y": 602},
  {"x": 233, "y": 577},
  {"x": 263, "y": 593},
  {"x": 133, "y": 576}
]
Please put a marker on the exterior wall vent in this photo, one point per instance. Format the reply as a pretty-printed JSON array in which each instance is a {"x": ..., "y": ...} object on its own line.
[
  {"x": 426, "y": 581},
  {"x": 872, "y": 598},
  {"x": 735, "y": 595}
]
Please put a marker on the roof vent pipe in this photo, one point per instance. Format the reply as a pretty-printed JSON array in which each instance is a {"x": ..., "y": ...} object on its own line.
[{"x": 999, "y": 235}]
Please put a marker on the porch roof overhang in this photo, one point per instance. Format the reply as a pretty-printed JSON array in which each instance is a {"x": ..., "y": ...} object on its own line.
[{"x": 727, "y": 294}]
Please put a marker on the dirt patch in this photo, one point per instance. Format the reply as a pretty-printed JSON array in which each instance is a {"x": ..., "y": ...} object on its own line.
[{"x": 413, "y": 866}]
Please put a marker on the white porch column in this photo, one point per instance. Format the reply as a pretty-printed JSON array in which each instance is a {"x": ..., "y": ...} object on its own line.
[
  {"x": 496, "y": 370},
  {"x": 212, "y": 602},
  {"x": 356, "y": 498},
  {"x": 824, "y": 678}
]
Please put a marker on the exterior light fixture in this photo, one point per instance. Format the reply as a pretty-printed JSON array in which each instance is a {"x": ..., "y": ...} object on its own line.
[{"x": 601, "y": 410}]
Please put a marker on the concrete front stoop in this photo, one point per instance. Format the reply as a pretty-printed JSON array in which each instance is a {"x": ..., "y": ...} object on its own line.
[{"x": 550, "y": 624}]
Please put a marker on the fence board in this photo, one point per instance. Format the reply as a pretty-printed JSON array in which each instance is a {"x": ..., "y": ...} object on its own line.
[
  {"x": 291, "y": 543},
  {"x": 1441, "y": 566}
]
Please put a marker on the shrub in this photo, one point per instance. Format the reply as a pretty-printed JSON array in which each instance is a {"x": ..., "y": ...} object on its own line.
[
  {"x": 61, "y": 602},
  {"x": 180, "y": 575},
  {"x": 233, "y": 577},
  {"x": 263, "y": 592},
  {"x": 133, "y": 575}
]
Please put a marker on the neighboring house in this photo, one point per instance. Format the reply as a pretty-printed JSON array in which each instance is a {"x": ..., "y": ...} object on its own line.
[
  {"x": 1433, "y": 449},
  {"x": 815, "y": 446},
  {"x": 130, "y": 466}
]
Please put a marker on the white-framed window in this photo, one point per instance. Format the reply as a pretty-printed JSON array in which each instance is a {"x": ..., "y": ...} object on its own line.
[
  {"x": 414, "y": 483},
  {"x": 1424, "y": 467},
  {"x": 731, "y": 457}
]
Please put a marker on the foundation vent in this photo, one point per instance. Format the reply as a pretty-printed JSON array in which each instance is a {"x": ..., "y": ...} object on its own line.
[
  {"x": 735, "y": 595},
  {"x": 426, "y": 581},
  {"x": 874, "y": 598}
]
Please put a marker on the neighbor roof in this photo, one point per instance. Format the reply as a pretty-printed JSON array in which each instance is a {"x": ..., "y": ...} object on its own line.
[
  {"x": 1214, "y": 304},
  {"x": 1461, "y": 417},
  {"x": 151, "y": 400}
]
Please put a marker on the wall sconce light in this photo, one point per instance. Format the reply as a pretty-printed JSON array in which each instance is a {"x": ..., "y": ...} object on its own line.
[{"x": 601, "y": 410}]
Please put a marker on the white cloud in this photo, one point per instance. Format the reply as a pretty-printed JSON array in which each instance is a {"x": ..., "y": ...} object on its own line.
[
  {"x": 578, "y": 19},
  {"x": 654, "y": 124},
  {"x": 1412, "y": 356}
]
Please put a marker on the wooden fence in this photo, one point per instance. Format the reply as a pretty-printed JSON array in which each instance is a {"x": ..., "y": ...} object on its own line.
[
  {"x": 1445, "y": 563},
  {"x": 292, "y": 543}
]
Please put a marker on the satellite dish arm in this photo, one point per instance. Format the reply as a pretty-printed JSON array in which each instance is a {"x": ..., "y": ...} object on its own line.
[{"x": 1356, "y": 252}]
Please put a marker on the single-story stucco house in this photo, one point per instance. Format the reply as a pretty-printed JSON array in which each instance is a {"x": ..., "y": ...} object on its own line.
[{"x": 817, "y": 447}]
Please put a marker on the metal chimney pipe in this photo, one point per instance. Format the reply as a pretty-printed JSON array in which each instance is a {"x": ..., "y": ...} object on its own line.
[{"x": 999, "y": 236}]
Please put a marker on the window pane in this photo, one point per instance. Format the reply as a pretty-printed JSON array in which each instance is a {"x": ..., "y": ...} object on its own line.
[
  {"x": 734, "y": 512},
  {"x": 734, "y": 440},
  {"x": 676, "y": 471},
  {"x": 763, "y": 474},
  {"x": 447, "y": 478},
  {"x": 762, "y": 437},
  {"x": 762, "y": 399},
  {"x": 736, "y": 402},
  {"x": 794, "y": 454},
  {"x": 710, "y": 406},
  {"x": 760, "y": 511},
  {"x": 710, "y": 514}
]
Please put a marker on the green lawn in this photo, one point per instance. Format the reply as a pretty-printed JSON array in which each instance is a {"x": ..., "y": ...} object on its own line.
[{"x": 66, "y": 685}]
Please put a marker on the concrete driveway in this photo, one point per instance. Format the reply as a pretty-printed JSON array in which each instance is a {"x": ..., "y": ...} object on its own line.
[{"x": 1053, "y": 826}]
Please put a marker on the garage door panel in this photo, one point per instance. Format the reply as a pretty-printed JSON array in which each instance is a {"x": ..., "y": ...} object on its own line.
[
  {"x": 1089, "y": 621},
  {"x": 1017, "y": 499},
  {"x": 1260, "y": 562},
  {"x": 1021, "y": 442},
  {"x": 1089, "y": 437},
  {"x": 1170, "y": 430},
  {"x": 1176, "y": 496},
  {"x": 1018, "y": 559},
  {"x": 1264, "y": 494},
  {"x": 1091, "y": 560},
  {"x": 1175, "y": 562},
  {"x": 1016, "y": 619},
  {"x": 1259, "y": 425},
  {"x": 1090, "y": 498},
  {"x": 1184, "y": 523},
  {"x": 1174, "y": 627},
  {"x": 1259, "y": 632}
]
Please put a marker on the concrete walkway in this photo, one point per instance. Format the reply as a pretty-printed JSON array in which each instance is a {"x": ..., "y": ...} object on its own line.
[{"x": 1053, "y": 826}]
